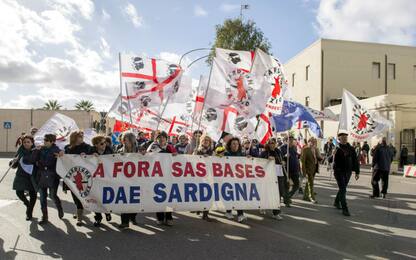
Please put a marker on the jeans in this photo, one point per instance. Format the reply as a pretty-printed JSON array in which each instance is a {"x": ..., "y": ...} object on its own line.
[
  {"x": 342, "y": 181},
  {"x": 43, "y": 192},
  {"x": 384, "y": 176}
]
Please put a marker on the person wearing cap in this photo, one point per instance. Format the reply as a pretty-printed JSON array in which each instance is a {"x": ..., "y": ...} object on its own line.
[
  {"x": 345, "y": 162},
  {"x": 161, "y": 145}
]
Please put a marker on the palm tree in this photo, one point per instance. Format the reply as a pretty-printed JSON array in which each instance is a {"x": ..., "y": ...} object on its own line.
[
  {"x": 52, "y": 105},
  {"x": 84, "y": 105}
]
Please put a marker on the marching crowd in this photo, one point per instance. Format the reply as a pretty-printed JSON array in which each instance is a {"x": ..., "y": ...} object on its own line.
[{"x": 303, "y": 165}]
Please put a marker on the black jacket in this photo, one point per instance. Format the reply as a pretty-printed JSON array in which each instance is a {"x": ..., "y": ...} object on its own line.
[
  {"x": 78, "y": 149},
  {"x": 345, "y": 160}
]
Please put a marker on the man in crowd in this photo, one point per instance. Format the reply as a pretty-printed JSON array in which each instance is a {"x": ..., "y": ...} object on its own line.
[
  {"x": 345, "y": 162},
  {"x": 366, "y": 150},
  {"x": 404, "y": 152},
  {"x": 181, "y": 146},
  {"x": 382, "y": 159}
]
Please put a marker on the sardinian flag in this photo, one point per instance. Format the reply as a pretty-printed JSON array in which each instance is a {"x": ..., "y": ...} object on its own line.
[
  {"x": 217, "y": 120},
  {"x": 149, "y": 81},
  {"x": 239, "y": 59},
  {"x": 269, "y": 73},
  {"x": 177, "y": 127},
  {"x": 358, "y": 121},
  {"x": 263, "y": 130}
]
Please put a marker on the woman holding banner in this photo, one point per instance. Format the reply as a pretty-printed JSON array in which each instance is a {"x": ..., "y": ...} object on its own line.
[
  {"x": 100, "y": 147},
  {"x": 44, "y": 157},
  {"x": 23, "y": 181},
  {"x": 161, "y": 146},
  {"x": 129, "y": 146},
  {"x": 271, "y": 152},
  {"x": 234, "y": 148},
  {"x": 77, "y": 146},
  {"x": 205, "y": 149}
]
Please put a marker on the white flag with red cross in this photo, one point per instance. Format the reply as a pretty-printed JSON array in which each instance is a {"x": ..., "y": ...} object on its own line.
[
  {"x": 149, "y": 81},
  {"x": 239, "y": 59},
  {"x": 358, "y": 121},
  {"x": 263, "y": 128},
  {"x": 217, "y": 120}
]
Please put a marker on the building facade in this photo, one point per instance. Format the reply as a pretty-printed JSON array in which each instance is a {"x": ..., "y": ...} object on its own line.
[{"x": 382, "y": 73}]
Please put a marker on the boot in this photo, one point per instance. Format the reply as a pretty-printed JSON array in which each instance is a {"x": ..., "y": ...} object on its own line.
[
  {"x": 44, "y": 217},
  {"x": 79, "y": 217}
]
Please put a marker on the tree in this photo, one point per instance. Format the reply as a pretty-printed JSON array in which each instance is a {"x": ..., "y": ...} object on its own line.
[
  {"x": 235, "y": 34},
  {"x": 84, "y": 105},
  {"x": 52, "y": 105}
]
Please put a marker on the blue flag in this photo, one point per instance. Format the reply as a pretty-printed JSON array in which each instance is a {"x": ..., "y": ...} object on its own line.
[{"x": 293, "y": 112}]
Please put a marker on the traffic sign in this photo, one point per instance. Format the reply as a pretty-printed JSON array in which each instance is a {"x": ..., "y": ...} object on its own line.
[{"x": 7, "y": 125}]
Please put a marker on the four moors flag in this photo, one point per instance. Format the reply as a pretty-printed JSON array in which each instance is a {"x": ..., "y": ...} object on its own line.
[
  {"x": 358, "y": 121},
  {"x": 148, "y": 81}
]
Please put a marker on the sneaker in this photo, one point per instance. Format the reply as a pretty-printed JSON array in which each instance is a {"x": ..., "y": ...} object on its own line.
[
  {"x": 229, "y": 215},
  {"x": 169, "y": 223},
  {"x": 79, "y": 223},
  {"x": 241, "y": 218},
  {"x": 277, "y": 217},
  {"x": 314, "y": 201}
]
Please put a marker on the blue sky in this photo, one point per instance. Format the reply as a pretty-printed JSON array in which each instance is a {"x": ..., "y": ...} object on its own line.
[{"x": 67, "y": 49}]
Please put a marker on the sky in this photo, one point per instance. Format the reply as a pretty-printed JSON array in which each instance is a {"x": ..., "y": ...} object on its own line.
[{"x": 68, "y": 49}]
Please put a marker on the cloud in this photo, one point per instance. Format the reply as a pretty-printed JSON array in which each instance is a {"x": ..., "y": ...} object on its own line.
[
  {"x": 229, "y": 7},
  {"x": 71, "y": 7},
  {"x": 105, "y": 15},
  {"x": 132, "y": 14},
  {"x": 3, "y": 86},
  {"x": 105, "y": 48},
  {"x": 199, "y": 11},
  {"x": 371, "y": 20}
]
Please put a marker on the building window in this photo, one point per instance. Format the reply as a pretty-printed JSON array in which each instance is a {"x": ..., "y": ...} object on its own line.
[
  {"x": 293, "y": 79},
  {"x": 307, "y": 72},
  {"x": 376, "y": 70},
  {"x": 414, "y": 72},
  {"x": 391, "y": 71},
  {"x": 307, "y": 98}
]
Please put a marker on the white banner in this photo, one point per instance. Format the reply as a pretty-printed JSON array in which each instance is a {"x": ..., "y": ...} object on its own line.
[{"x": 133, "y": 183}]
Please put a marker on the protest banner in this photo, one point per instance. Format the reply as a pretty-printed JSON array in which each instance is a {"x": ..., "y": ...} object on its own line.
[{"x": 157, "y": 182}]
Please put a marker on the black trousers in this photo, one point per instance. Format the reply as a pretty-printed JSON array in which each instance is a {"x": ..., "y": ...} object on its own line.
[
  {"x": 125, "y": 218},
  {"x": 164, "y": 216},
  {"x": 76, "y": 201},
  {"x": 296, "y": 184},
  {"x": 403, "y": 161},
  {"x": 377, "y": 176},
  {"x": 99, "y": 217},
  {"x": 30, "y": 204},
  {"x": 342, "y": 179}
]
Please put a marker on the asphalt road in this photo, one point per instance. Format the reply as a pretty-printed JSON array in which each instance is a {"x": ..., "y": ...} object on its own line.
[{"x": 377, "y": 229}]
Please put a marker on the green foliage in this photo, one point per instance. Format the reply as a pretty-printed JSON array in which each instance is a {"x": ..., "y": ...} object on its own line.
[
  {"x": 84, "y": 105},
  {"x": 235, "y": 34},
  {"x": 52, "y": 105}
]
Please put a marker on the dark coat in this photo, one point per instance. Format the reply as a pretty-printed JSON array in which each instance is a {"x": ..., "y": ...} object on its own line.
[
  {"x": 45, "y": 161},
  {"x": 383, "y": 156},
  {"x": 294, "y": 165},
  {"x": 23, "y": 180},
  {"x": 78, "y": 149},
  {"x": 107, "y": 150},
  {"x": 345, "y": 160}
]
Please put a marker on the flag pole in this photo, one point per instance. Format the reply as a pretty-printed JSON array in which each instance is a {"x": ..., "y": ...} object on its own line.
[
  {"x": 205, "y": 97},
  {"x": 287, "y": 151},
  {"x": 128, "y": 99},
  {"x": 197, "y": 91},
  {"x": 121, "y": 85}
]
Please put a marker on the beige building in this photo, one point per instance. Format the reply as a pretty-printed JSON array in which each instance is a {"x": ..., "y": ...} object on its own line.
[
  {"x": 23, "y": 119},
  {"x": 386, "y": 73}
]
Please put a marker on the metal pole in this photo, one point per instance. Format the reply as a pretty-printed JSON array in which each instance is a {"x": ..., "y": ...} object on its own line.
[
  {"x": 186, "y": 53},
  {"x": 205, "y": 97},
  {"x": 127, "y": 93},
  {"x": 121, "y": 86},
  {"x": 7, "y": 140},
  {"x": 4, "y": 176}
]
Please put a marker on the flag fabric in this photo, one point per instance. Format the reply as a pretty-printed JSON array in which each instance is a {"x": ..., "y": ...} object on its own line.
[
  {"x": 293, "y": 112},
  {"x": 358, "y": 121},
  {"x": 326, "y": 115},
  {"x": 217, "y": 120},
  {"x": 269, "y": 72},
  {"x": 59, "y": 125},
  {"x": 263, "y": 129},
  {"x": 148, "y": 80},
  {"x": 239, "y": 59}
]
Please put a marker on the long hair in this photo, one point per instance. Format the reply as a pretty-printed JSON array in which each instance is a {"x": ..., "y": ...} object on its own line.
[
  {"x": 74, "y": 136},
  {"x": 228, "y": 146},
  {"x": 132, "y": 139},
  {"x": 201, "y": 141}
]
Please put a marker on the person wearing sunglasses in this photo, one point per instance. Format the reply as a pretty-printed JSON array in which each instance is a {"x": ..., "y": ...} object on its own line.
[{"x": 100, "y": 147}]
